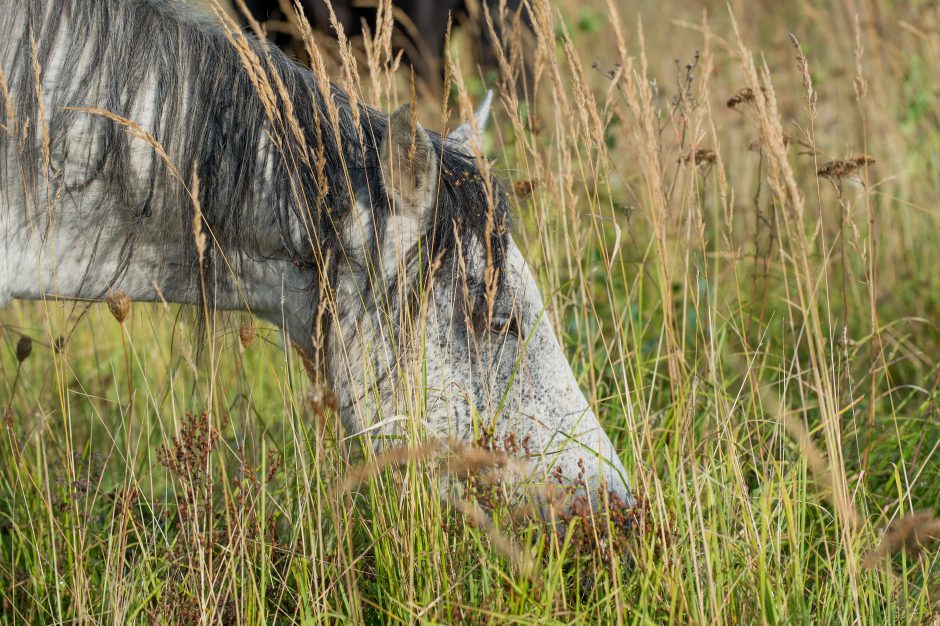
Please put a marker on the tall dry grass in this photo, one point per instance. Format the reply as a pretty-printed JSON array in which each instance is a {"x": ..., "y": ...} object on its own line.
[{"x": 730, "y": 211}]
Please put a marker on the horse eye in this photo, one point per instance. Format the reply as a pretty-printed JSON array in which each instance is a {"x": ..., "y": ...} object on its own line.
[{"x": 505, "y": 325}]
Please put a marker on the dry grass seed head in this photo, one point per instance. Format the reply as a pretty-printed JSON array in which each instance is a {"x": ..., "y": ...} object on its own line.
[
  {"x": 395, "y": 456},
  {"x": 910, "y": 533},
  {"x": 803, "y": 64},
  {"x": 468, "y": 461}
]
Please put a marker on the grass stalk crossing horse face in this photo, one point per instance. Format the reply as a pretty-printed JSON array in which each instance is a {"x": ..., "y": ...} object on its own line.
[
  {"x": 126, "y": 126},
  {"x": 488, "y": 363}
]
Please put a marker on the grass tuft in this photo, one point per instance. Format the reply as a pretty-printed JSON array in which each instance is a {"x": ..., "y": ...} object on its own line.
[{"x": 752, "y": 313}]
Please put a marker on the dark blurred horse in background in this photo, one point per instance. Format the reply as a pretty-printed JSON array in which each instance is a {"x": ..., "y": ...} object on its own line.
[{"x": 421, "y": 26}]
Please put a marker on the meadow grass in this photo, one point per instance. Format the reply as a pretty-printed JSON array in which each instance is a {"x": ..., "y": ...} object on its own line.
[{"x": 735, "y": 228}]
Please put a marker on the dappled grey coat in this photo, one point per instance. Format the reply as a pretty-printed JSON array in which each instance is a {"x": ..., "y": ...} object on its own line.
[{"x": 147, "y": 149}]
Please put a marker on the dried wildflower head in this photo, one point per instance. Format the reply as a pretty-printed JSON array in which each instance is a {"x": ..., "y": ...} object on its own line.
[
  {"x": 24, "y": 347},
  {"x": 58, "y": 344},
  {"x": 604, "y": 528},
  {"x": 188, "y": 453},
  {"x": 274, "y": 462},
  {"x": 839, "y": 168},
  {"x": 742, "y": 96},
  {"x": 247, "y": 334},
  {"x": 9, "y": 418},
  {"x": 701, "y": 156},
  {"x": 119, "y": 303}
]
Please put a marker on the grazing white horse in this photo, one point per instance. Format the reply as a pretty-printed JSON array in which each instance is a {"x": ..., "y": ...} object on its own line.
[{"x": 128, "y": 125}]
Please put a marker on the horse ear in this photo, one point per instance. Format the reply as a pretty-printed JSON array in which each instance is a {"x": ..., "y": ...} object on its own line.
[
  {"x": 409, "y": 164},
  {"x": 467, "y": 133}
]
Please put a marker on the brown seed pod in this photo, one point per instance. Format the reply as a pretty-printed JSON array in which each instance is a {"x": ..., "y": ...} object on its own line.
[
  {"x": 24, "y": 347},
  {"x": 522, "y": 188},
  {"x": 247, "y": 334},
  {"x": 119, "y": 303}
]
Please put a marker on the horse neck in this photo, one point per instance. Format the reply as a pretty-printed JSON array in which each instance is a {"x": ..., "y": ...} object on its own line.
[{"x": 134, "y": 155}]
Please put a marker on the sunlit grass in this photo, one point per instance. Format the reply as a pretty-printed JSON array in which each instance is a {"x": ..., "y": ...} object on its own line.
[{"x": 759, "y": 335}]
